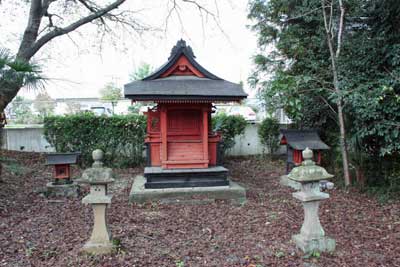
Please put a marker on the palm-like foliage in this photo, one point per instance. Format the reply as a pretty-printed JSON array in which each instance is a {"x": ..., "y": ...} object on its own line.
[{"x": 14, "y": 72}]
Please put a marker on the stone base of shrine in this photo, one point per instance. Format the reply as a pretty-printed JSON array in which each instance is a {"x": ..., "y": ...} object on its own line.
[
  {"x": 232, "y": 192},
  {"x": 62, "y": 190},
  {"x": 322, "y": 244},
  {"x": 157, "y": 177}
]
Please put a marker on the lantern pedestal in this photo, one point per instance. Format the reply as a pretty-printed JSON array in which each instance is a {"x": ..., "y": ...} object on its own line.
[
  {"x": 98, "y": 178},
  {"x": 312, "y": 236},
  {"x": 100, "y": 239}
]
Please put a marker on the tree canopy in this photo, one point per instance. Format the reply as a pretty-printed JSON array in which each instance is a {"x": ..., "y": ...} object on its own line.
[
  {"x": 293, "y": 67},
  {"x": 143, "y": 71},
  {"x": 294, "y": 71}
]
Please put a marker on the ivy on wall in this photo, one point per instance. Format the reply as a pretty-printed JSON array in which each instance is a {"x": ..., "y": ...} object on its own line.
[{"x": 120, "y": 137}]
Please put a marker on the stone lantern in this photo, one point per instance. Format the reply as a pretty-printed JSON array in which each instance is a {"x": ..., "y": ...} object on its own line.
[
  {"x": 98, "y": 178},
  {"x": 312, "y": 236}
]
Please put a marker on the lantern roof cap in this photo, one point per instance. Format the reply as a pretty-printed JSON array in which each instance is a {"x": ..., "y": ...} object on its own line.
[
  {"x": 308, "y": 171},
  {"x": 97, "y": 174}
]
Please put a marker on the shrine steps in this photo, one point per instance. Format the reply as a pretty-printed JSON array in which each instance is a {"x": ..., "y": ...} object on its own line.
[{"x": 157, "y": 177}]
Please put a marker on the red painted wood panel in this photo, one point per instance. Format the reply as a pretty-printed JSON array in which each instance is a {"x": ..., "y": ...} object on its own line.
[
  {"x": 185, "y": 151},
  {"x": 179, "y": 136},
  {"x": 212, "y": 153},
  {"x": 155, "y": 154},
  {"x": 182, "y": 67},
  {"x": 184, "y": 122}
]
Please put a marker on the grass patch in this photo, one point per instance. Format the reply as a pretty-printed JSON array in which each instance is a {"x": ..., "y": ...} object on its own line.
[{"x": 13, "y": 167}]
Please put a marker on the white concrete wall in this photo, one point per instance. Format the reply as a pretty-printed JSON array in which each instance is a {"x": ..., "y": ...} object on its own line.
[
  {"x": 249, "y": 143},
  {"x": 32, "y": 139},
  {"x": 26, "y": 139}
]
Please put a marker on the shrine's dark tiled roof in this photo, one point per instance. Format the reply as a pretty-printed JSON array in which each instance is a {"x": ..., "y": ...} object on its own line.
[
  {"x": 154, "y": 87},
  {"x": 301, "y": 139},
  {"x": 61, "y": 158},
  {"x": 186, "y": 87}
]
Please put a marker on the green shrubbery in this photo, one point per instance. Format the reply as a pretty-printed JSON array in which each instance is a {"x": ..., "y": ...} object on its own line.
[
  {"x": 269, "y": 134},
  {"x": 120, "y": 137},
  {"x": 228, "y": 126}
]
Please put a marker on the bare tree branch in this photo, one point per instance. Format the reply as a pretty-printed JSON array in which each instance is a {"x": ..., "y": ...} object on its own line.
[
  {"x": 202, "y": 11},
  {"x": 330, "y": 18},
  {"x": 91, "y": 9},
  {"x": 330, "y": 107},
  {"x": 340, "y": 31},
  {"x": 302, "y": 15},
  {"x": 73, "y": 26}
]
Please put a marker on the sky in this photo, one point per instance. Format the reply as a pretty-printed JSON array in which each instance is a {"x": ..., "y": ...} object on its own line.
[{"x": 80, "y": 64}]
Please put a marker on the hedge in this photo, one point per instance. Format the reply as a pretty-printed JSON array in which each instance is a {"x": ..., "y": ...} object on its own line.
[{"x": 120, "y": 137}]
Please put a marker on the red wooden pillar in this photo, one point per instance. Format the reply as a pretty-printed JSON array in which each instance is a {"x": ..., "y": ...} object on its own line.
[
  {"x": 205, "y": 135},
  {"x": 319, "y": 159},
  {"x": 164, "y": 134}
]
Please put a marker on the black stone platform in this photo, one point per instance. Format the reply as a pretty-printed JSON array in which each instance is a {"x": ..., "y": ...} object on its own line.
[{"x": 156, "y": 177}]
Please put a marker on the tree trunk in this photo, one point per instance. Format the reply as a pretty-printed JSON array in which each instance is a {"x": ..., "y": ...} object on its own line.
[
  {"x": 343, "y": 145},
  {"x": 334, "y": 56},
  {"x": 7, "y": 95},
  {"x": 1, "y": 153}
]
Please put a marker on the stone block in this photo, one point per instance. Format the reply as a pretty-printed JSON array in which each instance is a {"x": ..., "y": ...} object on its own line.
[
  {"x": 235, "y": 193},
  {"x": 322, "y": 244},
  {"x": 62, "y": 190}
]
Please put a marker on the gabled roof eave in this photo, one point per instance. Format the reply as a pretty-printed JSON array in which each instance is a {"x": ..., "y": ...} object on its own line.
[{"x": 182, "y": 51}]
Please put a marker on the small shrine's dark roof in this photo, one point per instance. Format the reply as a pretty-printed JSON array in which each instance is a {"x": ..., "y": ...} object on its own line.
[
  {"x": 301, "y": 139},
  {"x": 61, "y": 158},
  {"x": 184, "y": 87}
]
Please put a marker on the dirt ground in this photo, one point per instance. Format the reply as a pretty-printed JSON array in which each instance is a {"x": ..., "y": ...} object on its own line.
[{"x": 40, "y": 231}]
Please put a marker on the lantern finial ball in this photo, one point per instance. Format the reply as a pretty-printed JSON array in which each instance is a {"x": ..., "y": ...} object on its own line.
[
  {"x": 97, "y": 156},
  {"x": 307, "y": 154}
]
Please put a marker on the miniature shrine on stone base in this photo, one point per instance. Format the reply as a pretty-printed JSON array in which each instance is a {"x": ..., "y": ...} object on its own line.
[{"x": 182, "y": 149}]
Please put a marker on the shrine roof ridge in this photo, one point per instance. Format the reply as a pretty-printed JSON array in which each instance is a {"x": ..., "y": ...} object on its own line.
[{"x": 177, "y": 51}]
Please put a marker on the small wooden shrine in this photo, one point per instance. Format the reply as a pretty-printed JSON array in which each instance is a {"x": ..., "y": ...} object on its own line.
[
  {"x": 62, "y": 166},
  {"x": 298, "y": 140},
  {"x": 182, "y": 149}
]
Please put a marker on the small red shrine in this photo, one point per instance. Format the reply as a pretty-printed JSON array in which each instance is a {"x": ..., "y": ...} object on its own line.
[
  {"x": 298, "y": 140},
  {"x": 182, "y": 149}
]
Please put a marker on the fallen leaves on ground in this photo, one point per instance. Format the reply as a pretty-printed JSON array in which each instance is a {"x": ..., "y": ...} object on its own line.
[{"x": 37, "y": 231}]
